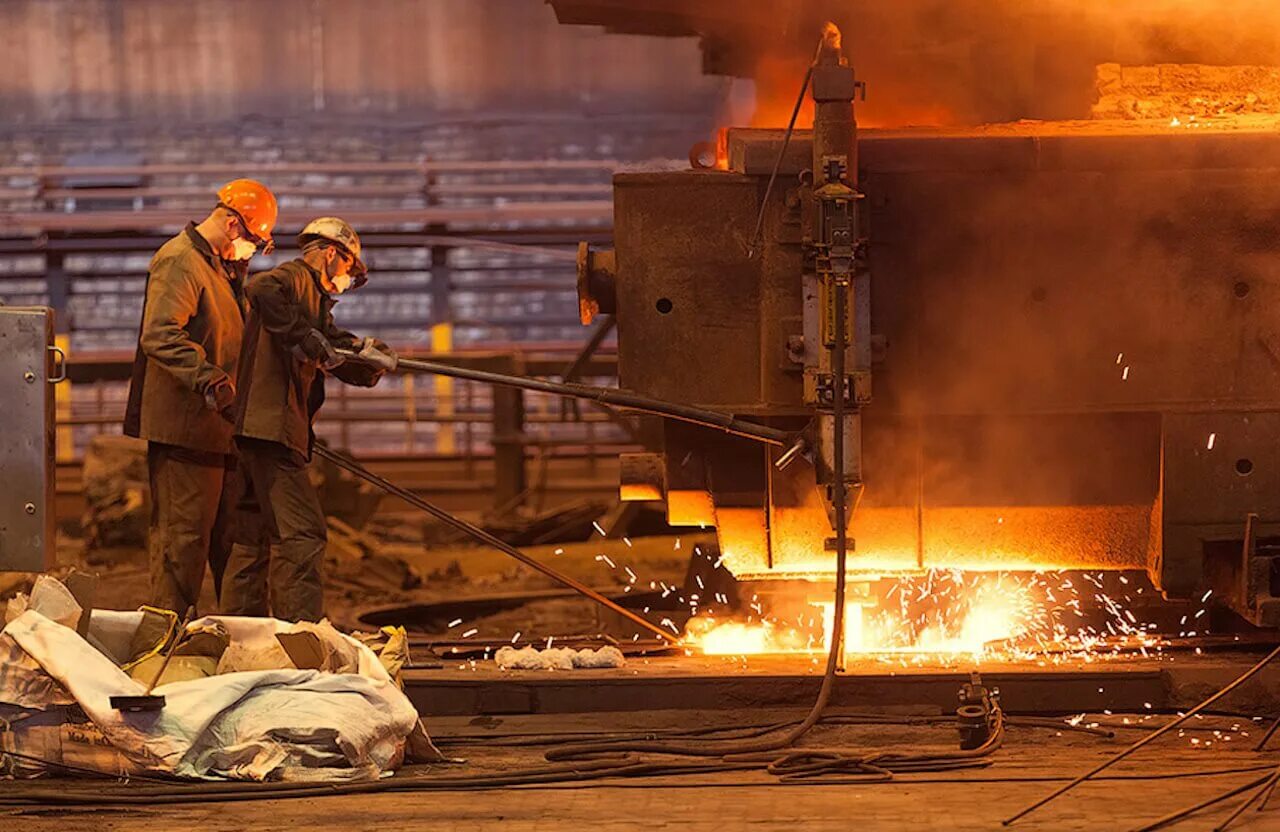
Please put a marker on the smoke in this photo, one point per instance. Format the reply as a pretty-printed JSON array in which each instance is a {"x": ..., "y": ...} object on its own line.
[{"x": 930, "y": 62}]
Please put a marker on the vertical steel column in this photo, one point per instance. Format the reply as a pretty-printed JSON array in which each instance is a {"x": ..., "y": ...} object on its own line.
[
  {"x": 441, "y": 317},
  {"x": 837, "y": 319},
  {"x": 58, "y": 288},
  {"x": 509, "y": 476}
]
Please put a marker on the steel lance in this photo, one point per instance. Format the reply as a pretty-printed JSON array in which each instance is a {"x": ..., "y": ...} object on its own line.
[
  {"x": 351, "y": 466},
  {"x": 601, "y": 395}
]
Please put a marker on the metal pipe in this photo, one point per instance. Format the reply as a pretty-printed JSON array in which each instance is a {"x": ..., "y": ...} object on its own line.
[
  {"x": 605, "y": 395},
  {"x": 1164, "y": 729},
  {"x": 351, "y": 466},
  {"x": 840, "y": 496}
]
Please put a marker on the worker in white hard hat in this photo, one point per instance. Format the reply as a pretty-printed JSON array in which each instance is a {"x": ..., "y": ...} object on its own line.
[{"x": 290, "y": 345}]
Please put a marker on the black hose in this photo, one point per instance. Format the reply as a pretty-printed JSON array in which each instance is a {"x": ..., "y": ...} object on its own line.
[
  {"x": 724, "y": 748},
  {"x": 21, "y": 795}
]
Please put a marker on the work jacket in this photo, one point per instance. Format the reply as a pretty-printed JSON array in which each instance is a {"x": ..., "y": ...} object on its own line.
[
  {"x": 189, "y": 340},
  {"x": 280, "y": 390}
]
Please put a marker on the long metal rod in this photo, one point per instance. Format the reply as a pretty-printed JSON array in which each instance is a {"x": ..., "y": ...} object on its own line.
[
  {"x": 351, "y": 466},
  {"x": 838, "y": 451},
  {"x": 782, "y": 152},
  {"x": 1187, "y": 811},
  {"x": 1261, "y": 794},
  {"x": 1164, "y": 729},
  {"x": 605, "y": 395}
]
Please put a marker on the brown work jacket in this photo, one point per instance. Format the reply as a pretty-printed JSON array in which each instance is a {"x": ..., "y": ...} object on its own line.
[
  {"x": 279, "y": 391},
  {"x": 189, "y": 339}
]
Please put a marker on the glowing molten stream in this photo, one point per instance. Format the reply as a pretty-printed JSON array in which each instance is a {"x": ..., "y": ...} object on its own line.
[{"x": 942, "y": 612}]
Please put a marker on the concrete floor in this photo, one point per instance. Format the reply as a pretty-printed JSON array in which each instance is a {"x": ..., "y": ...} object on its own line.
[
  {"x": 752, "y": 692},
  {"x": 1032, "y": 762}
]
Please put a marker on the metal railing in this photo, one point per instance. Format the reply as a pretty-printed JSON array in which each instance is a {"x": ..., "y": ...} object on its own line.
[{"x": 493, "y": 435}]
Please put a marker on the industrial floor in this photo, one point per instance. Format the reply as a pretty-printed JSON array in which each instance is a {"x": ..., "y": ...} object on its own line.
[
  {"x": 1177, "y": 679},
  {"x": 1173, "y": 772}
]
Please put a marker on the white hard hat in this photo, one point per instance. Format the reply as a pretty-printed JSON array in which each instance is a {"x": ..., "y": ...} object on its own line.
[{"x": 338, "y": 231}]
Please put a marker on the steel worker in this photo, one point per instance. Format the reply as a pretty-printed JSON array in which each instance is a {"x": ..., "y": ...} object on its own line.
[
  {"x": 181, "y": 392},
  {"x": 290, "y": 345}
]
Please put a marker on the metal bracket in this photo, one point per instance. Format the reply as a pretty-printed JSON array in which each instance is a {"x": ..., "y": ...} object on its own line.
[
  {"x": 974, "y": 716},
  {"x": 60, "y": 364},
  {"x": 1249, "y": 548}
]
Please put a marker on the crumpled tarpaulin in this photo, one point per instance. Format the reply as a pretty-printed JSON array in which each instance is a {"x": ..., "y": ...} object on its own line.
[{"x": 249, "y": 725}]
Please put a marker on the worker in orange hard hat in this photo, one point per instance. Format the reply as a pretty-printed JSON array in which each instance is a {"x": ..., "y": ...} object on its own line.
[
  {"x": 254, "y": 207},
  {"x": 182, "y": 389}
]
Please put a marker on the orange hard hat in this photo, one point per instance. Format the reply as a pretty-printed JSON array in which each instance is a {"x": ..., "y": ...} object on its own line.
[{"x": 254, "y": 204}]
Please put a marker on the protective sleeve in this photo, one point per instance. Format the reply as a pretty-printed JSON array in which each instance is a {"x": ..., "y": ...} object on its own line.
[
  {"x": 173, "y": 299},
  {"x": 273, "y": 297}
]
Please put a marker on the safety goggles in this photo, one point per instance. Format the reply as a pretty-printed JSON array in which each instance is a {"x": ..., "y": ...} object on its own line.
[{"x": 267, "y": 246}]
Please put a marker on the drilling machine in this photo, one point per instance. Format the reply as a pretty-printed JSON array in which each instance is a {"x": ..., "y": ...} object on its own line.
[{"x": 1067, "y": 328}]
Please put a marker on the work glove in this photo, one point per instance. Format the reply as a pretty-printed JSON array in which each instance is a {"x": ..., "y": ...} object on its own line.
[
  {"x": 220, "y": 396},
  {"x": 379, "y": 354},
  {"x": 316, "y": 348}
]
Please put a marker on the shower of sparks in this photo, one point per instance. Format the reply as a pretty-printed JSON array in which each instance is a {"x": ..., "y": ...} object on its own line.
[{"x": 942, "y": 612}]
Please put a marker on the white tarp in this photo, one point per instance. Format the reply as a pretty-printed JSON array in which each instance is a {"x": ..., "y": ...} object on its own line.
[{"x": 283, "y": 724}]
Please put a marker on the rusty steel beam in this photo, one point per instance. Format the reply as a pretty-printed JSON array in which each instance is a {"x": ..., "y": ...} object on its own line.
[
  {"x": 241, "y": 168},
  {"x": 47, "y": 221},
  {"x": 406, "y": 188},
  {"x": 116, "y": 366}
]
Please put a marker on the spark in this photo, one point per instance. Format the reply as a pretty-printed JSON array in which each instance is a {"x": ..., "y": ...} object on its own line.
[
  {"x": 1212, "y": 437},
  {"x": 470, "y": 633},
  {"x": 455, "y": 622},
  {"x": 953, "y": 613},
  {"x": 1125, "y": 375}
]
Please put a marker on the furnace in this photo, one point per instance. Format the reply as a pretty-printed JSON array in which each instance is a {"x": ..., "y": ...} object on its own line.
[{"x": 1064, "y": 350}]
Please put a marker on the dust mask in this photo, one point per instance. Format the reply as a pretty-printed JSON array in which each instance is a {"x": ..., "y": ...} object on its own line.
[
  {"x": 242, "y": 249},
  {"x": 341, "y": 283}
]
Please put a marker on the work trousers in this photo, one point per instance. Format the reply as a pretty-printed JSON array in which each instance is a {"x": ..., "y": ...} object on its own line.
[
  {"x": 193, "y": 495},
  {"x": 285, "y": 578}
]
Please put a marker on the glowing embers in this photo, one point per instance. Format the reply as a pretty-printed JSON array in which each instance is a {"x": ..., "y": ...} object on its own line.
[
  {"x": 1053, "y": 615},
  {"x": 943, "y": 612},
  {"x": 733, "y": 638}
]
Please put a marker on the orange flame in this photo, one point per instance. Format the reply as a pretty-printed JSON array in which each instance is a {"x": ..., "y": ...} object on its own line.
[{"x": 944, "y": 612}]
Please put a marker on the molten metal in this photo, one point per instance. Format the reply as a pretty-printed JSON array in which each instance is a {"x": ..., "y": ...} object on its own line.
[{"x": 956, "y": 613}]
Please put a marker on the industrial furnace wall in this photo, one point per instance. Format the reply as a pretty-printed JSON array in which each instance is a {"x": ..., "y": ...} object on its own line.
[{"x": 1066, "y": 317}]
